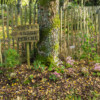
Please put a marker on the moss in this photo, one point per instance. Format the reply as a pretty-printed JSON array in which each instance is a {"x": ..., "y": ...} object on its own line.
[
  {"x": 56, "y": 22},
  {"x": 50, "y": 60},
  {"x": 47, "y": 31},
  {"x": 56, "y": 46}
]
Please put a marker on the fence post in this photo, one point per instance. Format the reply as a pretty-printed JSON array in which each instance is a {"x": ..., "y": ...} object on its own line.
[
  {"x": 65, "y": 21},
  {"x": 8, "y": 27},
  {"x": 28, "y": 55},
  {"x": 61, "y": 29},
  {"x": 3, "y": 25},
  {"x": 99, "y": 27},
  {"x": 0, "y": 53}
]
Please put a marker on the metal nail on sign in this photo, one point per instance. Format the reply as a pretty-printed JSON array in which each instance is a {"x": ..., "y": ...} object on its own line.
[{"x": 26, "y": 33}]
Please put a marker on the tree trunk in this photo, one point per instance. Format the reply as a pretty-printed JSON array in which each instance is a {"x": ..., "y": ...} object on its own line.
[{"x": 49, "y": 23}]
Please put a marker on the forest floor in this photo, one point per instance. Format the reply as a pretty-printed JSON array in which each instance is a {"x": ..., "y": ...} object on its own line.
[{"x": 41, "y": 87}]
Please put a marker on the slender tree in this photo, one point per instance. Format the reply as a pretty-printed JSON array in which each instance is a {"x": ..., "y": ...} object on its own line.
[{"x": 49, "y": 23}]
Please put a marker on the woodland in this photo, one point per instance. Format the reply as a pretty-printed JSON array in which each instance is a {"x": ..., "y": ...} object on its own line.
[{"x": 49, "y": 49}]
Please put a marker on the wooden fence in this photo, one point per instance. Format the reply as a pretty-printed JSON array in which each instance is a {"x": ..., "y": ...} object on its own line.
[
  {"x": 11, "y": 17},
  {"x": 78, "y": 23}
]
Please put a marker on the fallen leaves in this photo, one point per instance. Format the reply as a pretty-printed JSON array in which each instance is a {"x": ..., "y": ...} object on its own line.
[{"x": 41, "y": 87}]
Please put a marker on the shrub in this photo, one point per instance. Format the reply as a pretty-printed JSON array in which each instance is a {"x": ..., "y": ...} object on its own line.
[
  {"x": 69, "y": 61},
  {"x": 38, "y": 65},
  {"x": 60, "y": 69},
  {"x": 55, "y": 76},
  {"x": 11, "y": 58}
]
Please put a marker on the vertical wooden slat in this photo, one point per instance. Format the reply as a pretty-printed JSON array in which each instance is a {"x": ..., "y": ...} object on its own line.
[
  {"x": 80, "y": 36},
  {"x": 65, "y": 21},
  {"x": 61, "y": 29},
  {"x": 12, "y": 25},
  {"x": 75, "y": 28},
  {"x": 30, "y": 12},
  {"x": 8, "y": 27},
  {"x": 16, "y": 16},
  {"x": 21, "y": 21},
  {"x": 16, "y": 22},
  {"x": 99, "y": 29},
  {"x": 28, "y": 55},
  {"x": 25, "y": 14},
  {"x": 96, "y": 30},
  {"x": 80, "y": 28},
  {"x": 0, "y": 53},
  {"x": 84, "y": 24},
  {"x": 3, "y": 26},
  {"x": 68, "y": 30},
  {"x": 21, "y": 16}
]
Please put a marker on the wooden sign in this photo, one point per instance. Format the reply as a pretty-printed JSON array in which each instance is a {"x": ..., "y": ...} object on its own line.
[{"x": 26, "y": 33}]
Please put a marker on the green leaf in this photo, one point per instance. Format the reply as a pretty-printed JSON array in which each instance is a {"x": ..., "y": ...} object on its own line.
[
  {"x": 98, "y": 73},
  {"x": 94, "y": 73},
  {"x": 1, "y": 72},
  {"x": 26, "y": 82},
  {"x": 50, "y": 69},
  {"x": 31, "y": 77}
]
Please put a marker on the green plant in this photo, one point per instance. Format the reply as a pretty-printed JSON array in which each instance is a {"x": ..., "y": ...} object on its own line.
[
  {"x": 38, "y": 65},
  {"x": 1, "y": 65},
  {"x": 68, "y": 66},
  {"x": 96, "y": 73},
  {"x": 85, "y": 74},
  {"x": 1, "y": 72},
  {"x": 27, "y": 81},
  {"x": 73, "y": 97},
  {"x": 53, "y": 77},
  {"x": 97, "y": 58},
  {"x": 88, "y": 50},
  {"x": 31, "y": 77},
  {"x": 50, "y": 68},
  {"x": 11, "y": 58},
  {"x": 60, "y": 69}
]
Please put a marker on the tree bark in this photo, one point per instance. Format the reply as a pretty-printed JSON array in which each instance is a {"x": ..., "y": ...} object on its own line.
[{"x": 49, "y": 23}]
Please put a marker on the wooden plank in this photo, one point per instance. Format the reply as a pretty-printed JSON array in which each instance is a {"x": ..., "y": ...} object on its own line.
[
  {"x": 75, "y": 28},
  {"x": 0, "y": 53},
  {"x": 16, "y": 16},
  {"x": 16, "y": 23},
  {"x": 99, "y": 28},
  {"x": 65, "y": 21},
  {"x": 30, "y": 8},
  {"x": 84, "y": 22},
  {"x": 21, "y": 22},
  {"x": 12, "y": 24},
  {"x": 28, "y": 55},
  {"x": 3, "y": 25},
  {"x": 72, "y": 31},
  {"x": 23, "y": 27},
  {"x": 25, "y": 14},
  {"x": 61, "y": 29},
  {"x": 8, "y": 26},
  {"x": 21, "y": 16},
  {"x": 68, "y": 30},
  {"x": 96, "y": 30}
]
